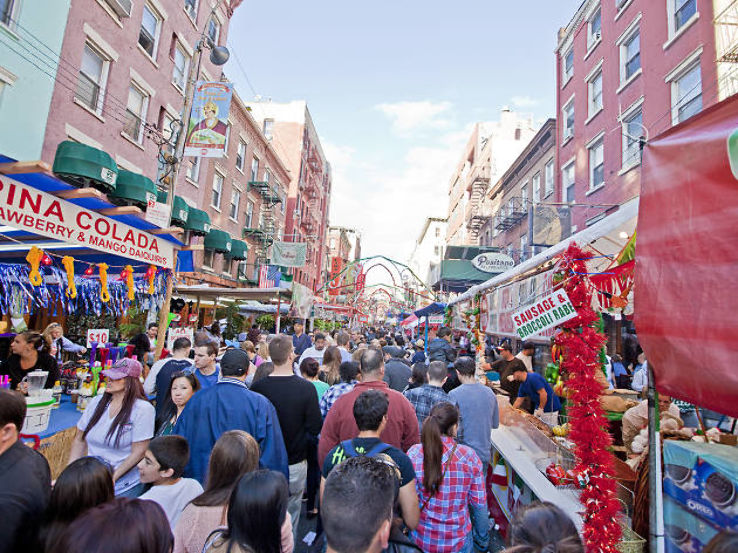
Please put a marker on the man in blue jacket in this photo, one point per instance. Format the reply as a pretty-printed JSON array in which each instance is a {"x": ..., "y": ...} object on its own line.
[
  {"x": 229, "y": 405},
  {"x": 440, "y": 348}
]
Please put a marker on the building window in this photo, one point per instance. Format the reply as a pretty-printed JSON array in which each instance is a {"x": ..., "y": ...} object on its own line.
[
  {"x": 227, "y": 265},
  {"x": 567, "y": 182},
  {"x": 282, "y": 198},
  {"x": 91, "y": 80},
  {"x": 267, "y": 176},
  {"x": 193, "y": 169},
  {"x": 181, "y": 67},
  {"x": 594, "y": 28},
  {"x": 438, "y": 232},
  {"x": 436, "y": 250},
  {"x": 549, "y": 186},
  {"x": 207, "y": 258},
  {"x": 7, "y": 12},
  {"x": 138, "y": 103},
  {"x": 190, "y": 7},
  {"x": 235, "y": 200},
  {"x": 227, "y": 138},
  {"x": 148, "y": 36},
  {"x": 524, "y": 247},
  {"x": 213, "y": 30},
  {"x": 249, "y": 214},
  {"x": 217, "y": 190},
  {"x": 254, "y": 169},
  {"x": 240, "y": 155},
  {"x": 684, "y": 11},
  {"x": 568, "y": 119},
  {"x": 630, "y": 56},
  {"x": 595, "y": 93},
  {"x": 596, "y": 163},
  {"x": 569, "y": 64},
  {"x": 268, "y": 128},
  {"x": 524, "y": 195},
  {"x": 536, "y": 188},
  {"x": 686, "y": 93},
  {"x": 632, "y": 133}
]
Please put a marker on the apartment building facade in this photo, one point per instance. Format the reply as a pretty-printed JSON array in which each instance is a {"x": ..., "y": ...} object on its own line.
[
  {"x": 289, "y": 127},
  {"x": 528, "y": 182},
  {"x": 426, "y": 257},
  {"x": 31, "y": 40},
  {"x": 244, "y": 192},
  {"x": 490, "y": 149},
  {"x": 626, "y": 71}
]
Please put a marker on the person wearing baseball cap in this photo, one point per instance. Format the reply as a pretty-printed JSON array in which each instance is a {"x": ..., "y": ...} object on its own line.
[
  {"x": 419, "y": 355},
  {"x": 505, "y": 366},
  {"x": 230, "y": 405},
  {"x": 526, "y": 353},
  {"x": 117, "y": 426}
]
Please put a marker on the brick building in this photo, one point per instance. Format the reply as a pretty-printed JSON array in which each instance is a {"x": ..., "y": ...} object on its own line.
[
  {"x": 529, "y": 181},
  {"x": 630, "y": 69},
  {"x": 491, "y": 148},
  {"x": 291, "y": 131}
]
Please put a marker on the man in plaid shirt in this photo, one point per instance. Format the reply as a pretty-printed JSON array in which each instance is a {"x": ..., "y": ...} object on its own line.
[
  {"x": 348, "y": 372},
  {"x": 424, "y": 397}
]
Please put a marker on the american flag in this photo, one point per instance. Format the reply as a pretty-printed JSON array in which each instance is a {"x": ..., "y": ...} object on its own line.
[{"x": 269, "y": 276}]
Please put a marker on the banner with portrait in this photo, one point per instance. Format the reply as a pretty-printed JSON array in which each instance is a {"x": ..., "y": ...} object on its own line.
[{"x": 207, "y": 131}]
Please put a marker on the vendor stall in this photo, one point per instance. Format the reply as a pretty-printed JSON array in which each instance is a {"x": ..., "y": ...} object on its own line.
[{"x": 69, "y": 244}]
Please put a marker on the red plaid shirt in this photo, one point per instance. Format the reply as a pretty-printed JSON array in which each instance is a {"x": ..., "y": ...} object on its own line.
[{"x": 445, "y": 521}]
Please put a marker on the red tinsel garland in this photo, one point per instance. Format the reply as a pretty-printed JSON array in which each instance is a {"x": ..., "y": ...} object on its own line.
[{"x": 581, "y": 344}]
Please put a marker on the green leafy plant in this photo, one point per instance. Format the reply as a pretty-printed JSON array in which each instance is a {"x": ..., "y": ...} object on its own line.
[
  {"x": 234, "y": 321},
  {"x": 136, "y": 323},
  {"x": 79, "y": 323},
  {"x": 266, "y": 322}
]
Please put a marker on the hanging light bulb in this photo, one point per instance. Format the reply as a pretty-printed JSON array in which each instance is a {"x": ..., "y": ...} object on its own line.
[
  {"x": 46, "y": 260},
  {"x": 90, "y": 270}
]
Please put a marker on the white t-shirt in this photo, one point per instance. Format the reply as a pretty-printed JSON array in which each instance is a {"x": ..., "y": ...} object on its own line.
[
  {"x": 138, "y": 428},
  {"x": 175, "y": 497},
  {"x": 526, "y": 359},
  {"x": 314, "y": 353}
]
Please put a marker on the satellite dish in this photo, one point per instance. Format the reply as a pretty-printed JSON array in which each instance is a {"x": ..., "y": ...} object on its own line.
[{"x": 219, "y": 55}]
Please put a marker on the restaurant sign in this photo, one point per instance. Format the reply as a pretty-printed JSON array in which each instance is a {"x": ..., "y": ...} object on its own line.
[
  {"x": 493, "y": 262},
  {"x": 545, "y": 313},
  {"x": 26, "y": 208}
]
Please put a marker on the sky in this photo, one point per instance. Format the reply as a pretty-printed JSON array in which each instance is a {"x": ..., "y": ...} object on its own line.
[{"x": 394, "y": 88}]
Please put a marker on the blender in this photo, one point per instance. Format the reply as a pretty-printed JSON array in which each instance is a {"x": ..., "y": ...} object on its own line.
[{"x": 36, "y": 381}]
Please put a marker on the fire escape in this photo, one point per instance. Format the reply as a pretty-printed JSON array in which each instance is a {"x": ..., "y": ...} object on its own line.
[
  {"x": 510, "y": 214},
  {"x": 310, "y": 219},
  {"x": 263, "y": 234},
  {"x": 477, "y": 189},
  {"x": 726, "y": 46}
]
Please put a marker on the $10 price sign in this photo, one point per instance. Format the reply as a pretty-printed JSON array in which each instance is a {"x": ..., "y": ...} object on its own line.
[{"x": 99, "y": 335}]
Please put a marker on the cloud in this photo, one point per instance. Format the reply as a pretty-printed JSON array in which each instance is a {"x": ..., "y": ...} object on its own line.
[
  {"x": 408, "y": 117},
  {"x": 524, "y": 101},
  {"x": 389, "y": 204}
]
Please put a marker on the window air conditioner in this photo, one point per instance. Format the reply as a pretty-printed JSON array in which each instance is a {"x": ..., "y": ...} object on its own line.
[{"x": 121, "y": 7}]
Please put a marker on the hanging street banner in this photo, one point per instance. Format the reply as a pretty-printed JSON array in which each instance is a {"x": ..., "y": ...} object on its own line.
[
  {"x": 302, "y": 301},
  {"x": 26, "y": 208},
  {"x": 335, "y": 281},
  {"x": 208, "y": 125},
  {"x": 545, "y": 313},
  {"x": 289, "y": 254}
]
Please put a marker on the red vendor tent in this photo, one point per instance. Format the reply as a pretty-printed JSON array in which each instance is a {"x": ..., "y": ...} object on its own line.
[{"x": 686, "y": 303}]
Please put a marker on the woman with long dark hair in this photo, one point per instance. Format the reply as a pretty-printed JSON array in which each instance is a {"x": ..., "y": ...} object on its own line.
[
  {"x": 117, "y": 426},
  {"x": 84, "y": 484},
  {"x": 329, "y": 371},
  {"x": 257, "y": 513},
  {"x": 182, "y": 387},
  {"x": 29, "y": 353},
  {"x": 122, "y": 525},
  {"x": 235, "y": 453},
  {"x": 418, "y": 377},
  {"x": 450, "y": 486},
  {"x": 540, "y": 527}
]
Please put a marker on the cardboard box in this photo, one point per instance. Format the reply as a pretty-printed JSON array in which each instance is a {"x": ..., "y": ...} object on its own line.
[
  {"x": 684, "y": 531},
  {"x": 703, "y": 478}
]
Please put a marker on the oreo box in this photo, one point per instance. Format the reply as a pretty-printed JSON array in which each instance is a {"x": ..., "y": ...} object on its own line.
[
  {"x": 703, "y": 479},
  {"x": 684, "y": 531}
]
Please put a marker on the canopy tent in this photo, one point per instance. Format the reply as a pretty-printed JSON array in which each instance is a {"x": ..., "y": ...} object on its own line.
[
  {"x": 688, "y": 259},
  {"x": 431, "y": 309},
  {"x": 204, "y": 291},
  {"x": 410, "y": 322}
]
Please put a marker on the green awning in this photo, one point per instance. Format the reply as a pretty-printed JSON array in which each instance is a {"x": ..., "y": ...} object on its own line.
[
  {"x": 81, "y": 165},
  {"x": 180, "y": 209},
  {"x": 460, "y": 274},
  {"x": 198, "y": 222},
  {"x": 218, "y": 240},
  {"x": 239, "y": 250},
  {"x": 134, "y": 189}
]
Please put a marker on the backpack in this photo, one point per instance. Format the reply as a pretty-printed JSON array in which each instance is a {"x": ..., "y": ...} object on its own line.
[{"x": 348, "y": 448}]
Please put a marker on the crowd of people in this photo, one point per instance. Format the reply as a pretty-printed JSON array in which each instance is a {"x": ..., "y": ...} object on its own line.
[{"x": 217, "y": 447}]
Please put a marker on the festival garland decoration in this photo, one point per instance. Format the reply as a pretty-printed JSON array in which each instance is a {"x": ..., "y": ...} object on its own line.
[
  {"x": 53, "y": 293},
  {"x": 471, "y": 318},
  {"x": 579, "y": 344}
]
